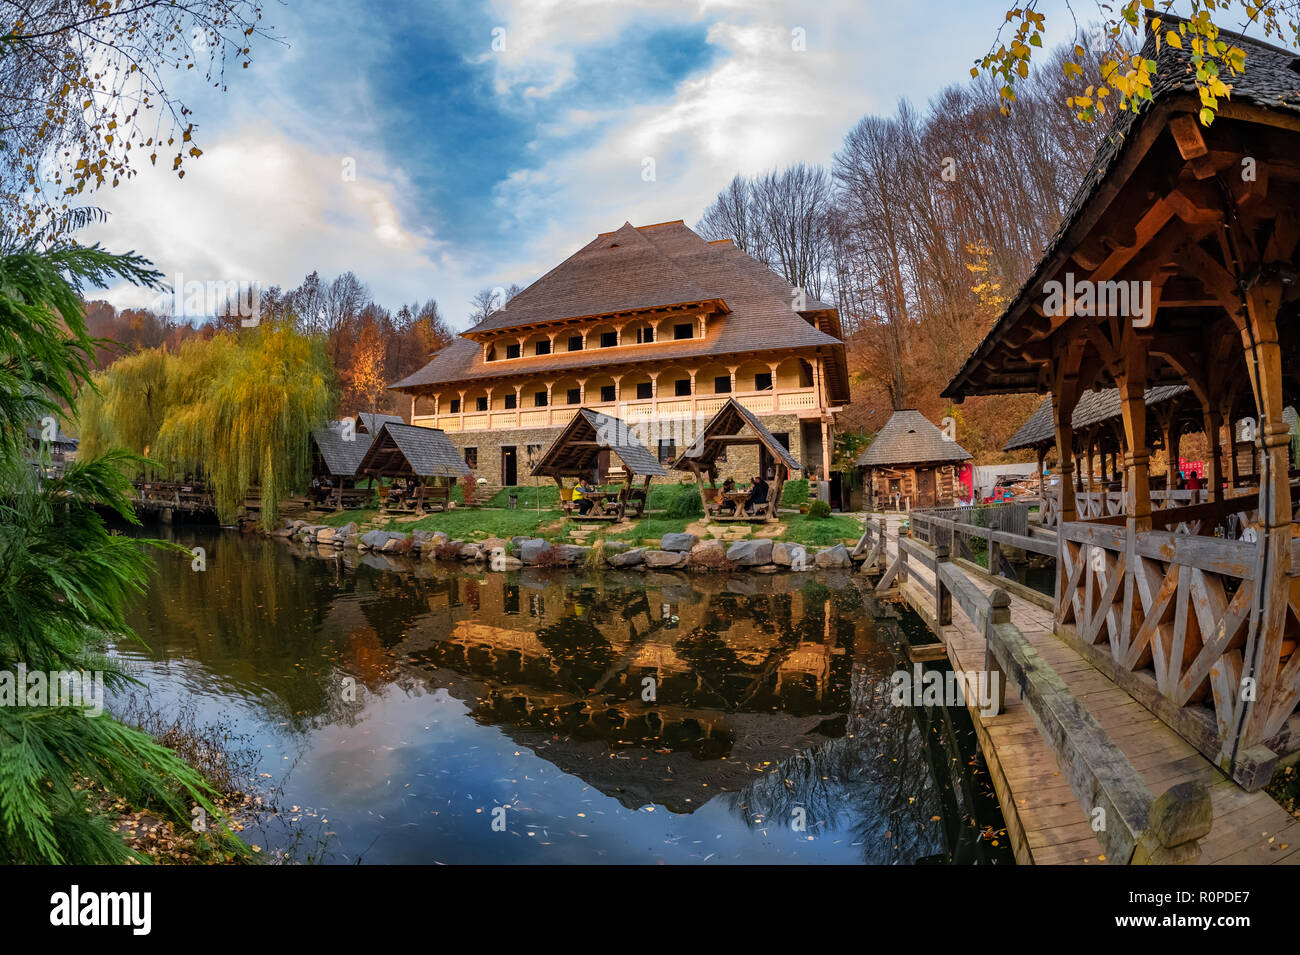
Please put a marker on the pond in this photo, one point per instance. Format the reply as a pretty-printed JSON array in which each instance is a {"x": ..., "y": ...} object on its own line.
[{"x": 422, "y": 712}]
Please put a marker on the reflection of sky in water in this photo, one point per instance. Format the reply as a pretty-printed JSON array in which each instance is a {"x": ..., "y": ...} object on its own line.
[{"x": 412, "y": 770}]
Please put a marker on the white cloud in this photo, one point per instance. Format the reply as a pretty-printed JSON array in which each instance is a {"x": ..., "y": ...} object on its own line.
[{"x": 259, "y": 208}]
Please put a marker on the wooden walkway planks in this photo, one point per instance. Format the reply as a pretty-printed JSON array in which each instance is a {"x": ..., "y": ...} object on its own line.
[{"x": 1046, "y": 825}]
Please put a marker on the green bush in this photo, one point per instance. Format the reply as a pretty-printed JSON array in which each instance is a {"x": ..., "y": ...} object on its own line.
[
  {"x": 819, "y": 510},
  {"x": 794, "y": 493},
  {"x": 682, "y": 501}
]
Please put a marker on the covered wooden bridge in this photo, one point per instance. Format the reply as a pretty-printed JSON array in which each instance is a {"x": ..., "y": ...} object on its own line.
[
  {"x": 1177, "y": 265},
  {"x": 733, "y": 425},
  {"x": 422, "y": 455},
  {"x": 576, "y": 453}
]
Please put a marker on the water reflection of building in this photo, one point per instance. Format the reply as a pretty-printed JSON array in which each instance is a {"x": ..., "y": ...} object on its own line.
[{"x": 666, "y": 696}]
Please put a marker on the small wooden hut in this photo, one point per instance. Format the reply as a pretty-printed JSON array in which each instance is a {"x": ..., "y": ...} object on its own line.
[
  {"x": 576, "y": 453},
  {"x": 734, "y": 424},
  {"x": 911, "y": 463},
  {"x": 409, "y": 451}
]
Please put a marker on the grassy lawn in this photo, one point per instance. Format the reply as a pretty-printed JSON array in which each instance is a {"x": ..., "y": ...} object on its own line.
[
  {"x": 821, "y": 531},
  {"x": 480, "y": 522}
]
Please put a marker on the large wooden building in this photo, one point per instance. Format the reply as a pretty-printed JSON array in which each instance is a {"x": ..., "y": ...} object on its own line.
[
  {"x": 653, "y": 325},
  {"x": 1194, "y": 608}
]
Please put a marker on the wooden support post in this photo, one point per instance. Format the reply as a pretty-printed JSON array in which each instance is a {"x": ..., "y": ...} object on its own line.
[
  {"x": 942, "y": 596},
  {"x": 999, "y": 613}
]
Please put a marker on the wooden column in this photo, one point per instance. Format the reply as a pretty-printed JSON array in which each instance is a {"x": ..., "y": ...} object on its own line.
[
  {"x": 1063, "y": 403},
  {"x": 1260, "y": 719},
  {"x": 1133, "y": 406}
]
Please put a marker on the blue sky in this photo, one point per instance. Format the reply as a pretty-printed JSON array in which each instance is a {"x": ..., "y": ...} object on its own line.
[{"x": 478, "y": 165}]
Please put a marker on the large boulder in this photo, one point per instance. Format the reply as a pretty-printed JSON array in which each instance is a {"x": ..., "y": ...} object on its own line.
[
  {"x": 752, "y": 553},
  {"x": 708, "y": 553},
  {"x": 489, "y": 544},
  {"x": 837, "y": 556},
  {"x": 530, "y": 550},
  {"x": 570, "y": 554},
  {"x": 678, "y": 543},
  {"x": 326, "y": 536},
  {"x": 628, "y": 558},
  {"x": 469, "y": 552},
  {"x": 375, "y": 540},
  {"x": 396, "y": 542},
  {"x": 616, "y": 547},
  {"x": 661, "y": 559},
  {"x": 794, "y": 556}
]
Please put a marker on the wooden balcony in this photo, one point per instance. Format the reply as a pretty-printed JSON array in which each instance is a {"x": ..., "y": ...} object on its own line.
[{"x": 792, "y": 401}]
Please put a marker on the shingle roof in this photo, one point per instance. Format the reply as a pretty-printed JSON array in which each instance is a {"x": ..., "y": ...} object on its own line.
[
  {"x": 341, "y": 457},
  {"x": 908, "y": 437},
  {"x": 1270, "y": 80},
  {"x": 653, "y": 266},
  {"x": 1093, "y": 408},
  {"x": 732, "y": 418},
  {"x": 610, "y": 434},
  {"x": 426, "y": 451},
  {"x": 373, "y": 422}
]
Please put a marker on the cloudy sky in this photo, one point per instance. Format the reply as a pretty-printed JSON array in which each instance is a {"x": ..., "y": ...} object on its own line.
[{"x": 489, "y": 139}]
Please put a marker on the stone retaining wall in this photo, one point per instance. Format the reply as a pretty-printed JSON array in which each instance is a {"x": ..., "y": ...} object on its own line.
[{"x": 675, "y": 551}]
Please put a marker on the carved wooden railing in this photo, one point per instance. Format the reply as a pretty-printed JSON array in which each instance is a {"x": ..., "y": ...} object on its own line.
[{"x": 1169, "y": 613}]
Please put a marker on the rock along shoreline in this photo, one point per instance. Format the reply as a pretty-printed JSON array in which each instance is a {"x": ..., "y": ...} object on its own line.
[{"x": 680, "y": 551}]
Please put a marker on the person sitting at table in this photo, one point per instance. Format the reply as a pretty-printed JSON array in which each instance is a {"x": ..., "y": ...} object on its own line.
[
  {"x": 580, "y": 493},
  {"x": 316, "y": 491},
  {"x": 728, "y": 488},
  {"x": 394, "y": 494},
  {"x": 757, "y": 499}
]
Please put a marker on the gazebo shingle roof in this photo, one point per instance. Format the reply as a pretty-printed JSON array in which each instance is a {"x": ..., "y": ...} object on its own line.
[
  {"x": 908, "y": 437},
  {"x": 373, "y": 422},
  {"x": 426, "y": 450},
  {"x": 650, "y": 267},
  {"x": 611, "y": 434},
  {"x": 731, "y": 419},
  {"x": 1093, "y": 408},
  {"x": 341, "y": 457}
]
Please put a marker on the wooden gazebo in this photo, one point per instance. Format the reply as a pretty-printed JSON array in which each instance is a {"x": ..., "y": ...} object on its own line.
[
  {"x": 1176, "y": 264},
  {"x": 338, "y": 456},
  {"x": 404, "y": 450},
  {"x": 576, "y": 453},
  {"x": 734, "y": 424}
]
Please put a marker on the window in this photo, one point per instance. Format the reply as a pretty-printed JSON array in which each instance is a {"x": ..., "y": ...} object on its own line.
[
  {"x": 471, "y": 458},
  {"x": 512, "y": 401},
  {"x": 682, "y": 387},
  {"x": 644, "y": 390},
  {"x": 575, "y": 343},
  {"x": 455, "y": 406},
  {"x": 607, "y": 393},
  {"x": 543, "y": 347},
  {"x": 684, "y": 330},
  {"x": 539, "y": 399},
  {"x": 574, "y": 396},
  {"x": 491, "y": 353},
  {"x": 608, "y": 339},
  {"x": 513, "y": 351},
  {"x": 645, "y": 335},
  {"x": 722, "y": 385},
  {"x": 667, "y": 450},
  {"x": 763, "y": 381},
  {"x": 480, "y": 403}
]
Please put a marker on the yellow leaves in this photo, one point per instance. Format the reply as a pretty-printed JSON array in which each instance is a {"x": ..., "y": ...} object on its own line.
[
  {"x": 1072, "y": 69},
  {"x": 1174, "y": 40}
]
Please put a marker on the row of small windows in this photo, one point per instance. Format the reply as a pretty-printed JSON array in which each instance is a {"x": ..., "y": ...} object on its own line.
[
  {"x": 644, "y": 392},
  {"x": 644, "y": 335}
]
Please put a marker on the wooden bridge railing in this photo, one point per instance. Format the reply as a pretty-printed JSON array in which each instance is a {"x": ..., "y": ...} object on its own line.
[
  {"x": 955, "y": 535},
  {"x": 1131, "y": 825}
]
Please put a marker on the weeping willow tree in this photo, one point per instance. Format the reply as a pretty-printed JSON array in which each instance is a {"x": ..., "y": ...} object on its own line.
[
  {"x": 126, "y": 408},
  {"x": 242, "y": 407}
]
